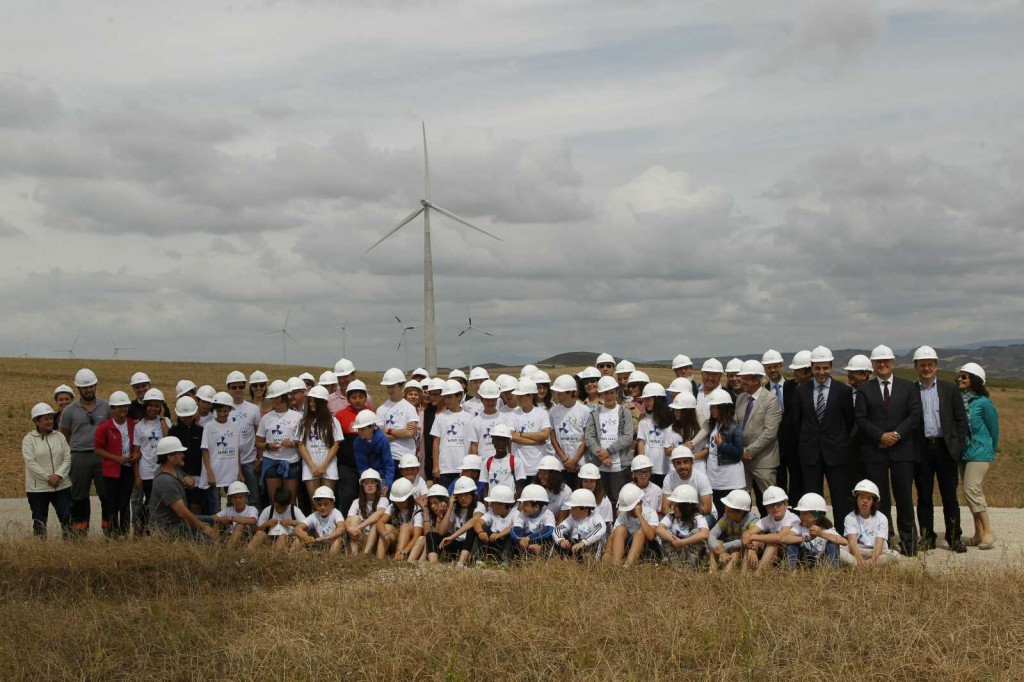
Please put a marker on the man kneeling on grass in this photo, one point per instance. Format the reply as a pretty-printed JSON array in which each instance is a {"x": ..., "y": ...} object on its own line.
[{"x": 168, "y": 507}]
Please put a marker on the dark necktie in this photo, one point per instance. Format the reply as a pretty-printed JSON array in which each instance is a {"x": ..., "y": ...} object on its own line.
[
  {"x": 885, "y": 394},
  {"x": 819, "y": 407}
]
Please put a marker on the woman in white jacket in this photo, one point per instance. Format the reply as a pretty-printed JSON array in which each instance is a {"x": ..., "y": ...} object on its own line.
[{"x": 47, "y": 463}]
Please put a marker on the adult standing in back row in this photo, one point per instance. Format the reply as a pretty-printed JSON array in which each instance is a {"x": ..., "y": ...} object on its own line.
[
  {"x": 78, "y": 424},
  {"x": 888, "y": 411}
]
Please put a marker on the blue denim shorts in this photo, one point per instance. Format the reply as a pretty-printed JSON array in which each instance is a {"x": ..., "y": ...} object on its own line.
[{"x": 275, "y": 468}]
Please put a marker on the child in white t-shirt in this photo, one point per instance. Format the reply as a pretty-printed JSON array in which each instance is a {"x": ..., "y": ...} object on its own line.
[
  {"x": 583, "y": 531},
  {"x": 325, "y": 527},
  {"x": 767, "y": 537},
  {"x": 684, "y": 530},
  {"x": 634, "y": 529},
  {"x": 401, "y": 525},
  {"x": 364, "y": 513},
  {"x": 238, "y": 519},
  {"x": 867, "y": 531},
  {"x": 817, "y": 541},
  {"x": 278, "y": 521}
]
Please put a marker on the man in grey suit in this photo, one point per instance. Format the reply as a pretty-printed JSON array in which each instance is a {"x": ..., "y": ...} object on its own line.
[{"x": 759, "y": 414}]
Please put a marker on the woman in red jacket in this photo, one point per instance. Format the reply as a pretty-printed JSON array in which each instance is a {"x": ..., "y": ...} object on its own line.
[{"x": 113, "y": 443}]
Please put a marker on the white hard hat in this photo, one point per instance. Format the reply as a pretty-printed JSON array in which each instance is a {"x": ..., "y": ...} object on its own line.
[
  {"x": 327, "y": 378},
  {"x": 471, "y": 462},
  {"x": 153, "y": 394},
  {"x": 502, "y": 494},
  {"x": 589, "y": 472},
  {"x": 859, "y": 363},
  {"x": 414, "y": 384},
  {"x": 624, "y": 367},
  {"x": 541, "y": 377},
  {"x": 549, "y": 463},
  {"x": 641, "y": 462},
  {"x": 684, "y": 494},
  {"x": 325, "y": 493},
  {"x": 355, "y": 385},
  {"x": 607, "y": 384},
  {"x": 296, "y": 384},
  {"x": 206, "y": 392},
  {"x": 478, "y": 374},
  {"x": 306, "y": 376},
  {"x": 223, "y": 398},
  {"x": 684, "y": 400},
  {"x": 501, "y": 431},
  {"x": 734, "y": 366},
  {"x": 527, "y": 371},
  {"x": 452, "y": 387},
  {"x": 867, "y": 486},
  {"x": 525, "y": 387},
  {"x": 85, "y": 378},
  {"x": 629, "y": 496},
  {"x": 235, "y": 377},
  {"x": 581, "y": 497},
  {"x": 737, "y": 499},
  {"x": 419, "y": 372},
  {"x": 752, "y": 368},
  {"x": 258, "y": 377},
  {"x": 773, "y": 494},
  {"x": 681, "y": 452},
  {"x": 604, "y": 359},
  {"x": 373, "y": 475},
  {"x": 680, "y": 385},
  {"x": 506, "y": 383},
  {"x": 119, "y": 399},
  {"x": 63, "y": 388},
  {"x": 637, "y": 377},
  {"x": 719, "y": 396},
  {"x": 771, "y": 357},
  {"x": 925, "y": 353},
  {"x": 589, "y": 373},
  {"x": 811, "y": 502},
  {"x": 186, "y": 406},
  {"x": 40, "y": 410},
  {"x": 278, "y": 388},
  {"x": 393, "y": 376},
  {"x": 653, "y": 390},
  {"x": 238, "y": 488},
  {"x": 138, "y": 378},
  {"x": 680, "y": 361},
  {"x": 975, "y": 369},
  {"x": 801, "y": 360},
  {"x": 343, "y": 367},
  {"x": 563, "y": 383},
  {"x": 488, "y": 390},
  {"x": 364, "y": 418},
  {"x": 438, "y": 490},
  {"x": 169, "y": 444},
  {"x": 408, "y": 461},
  {"x": 464, "y": 484},
  {"x": 882, "y": 352},
  {"x": 457, "y": 374},
  {"x": 821, "y": 354},
  {"x": 183, "y": 387},
  {"x": 318, "y": 392},
  {"x": 436, "y": 384},
  {"x": 713, "y": 366},
  {"x": 534, "y": 493},
  {"x": 401, "y": 489}
]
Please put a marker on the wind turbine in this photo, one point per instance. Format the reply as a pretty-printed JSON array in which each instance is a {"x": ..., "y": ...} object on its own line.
[
  {"x": 344, "y": 329},
  {"x": 468, "y": 332},
  {"x": 70, "y": 350},
  {"x": 426, "y": 206},
  {"x": 118, "y": 349},
  {"x": 285, "y": 335},
  {"x": 401, "y": 340}
]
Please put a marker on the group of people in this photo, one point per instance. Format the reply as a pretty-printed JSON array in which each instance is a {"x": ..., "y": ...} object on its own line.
[{"x": 605, "y": 463}]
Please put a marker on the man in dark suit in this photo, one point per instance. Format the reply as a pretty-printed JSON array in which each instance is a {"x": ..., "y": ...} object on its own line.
[
  {"x": 940, "y": 440},
  {"x": 824, "y": 414},
  {"x": 788, "y": 476},
  {"x": 888, "y": 412}
]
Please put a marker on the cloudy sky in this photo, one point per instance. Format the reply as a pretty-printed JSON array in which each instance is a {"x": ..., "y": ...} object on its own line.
[{"x": 706, "y": 177}]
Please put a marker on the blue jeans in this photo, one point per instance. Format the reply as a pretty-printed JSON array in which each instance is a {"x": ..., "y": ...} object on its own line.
[{"x": 39, "y": 504}]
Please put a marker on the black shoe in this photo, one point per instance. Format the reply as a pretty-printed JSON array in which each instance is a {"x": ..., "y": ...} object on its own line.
[{"x": 957, "y": 545}]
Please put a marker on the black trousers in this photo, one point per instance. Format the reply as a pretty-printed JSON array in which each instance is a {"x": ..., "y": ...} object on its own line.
[
  {"x": 901, "y": 476},
  {"x": 840, "y": 484},
  {"x": 937, "y": 463}
]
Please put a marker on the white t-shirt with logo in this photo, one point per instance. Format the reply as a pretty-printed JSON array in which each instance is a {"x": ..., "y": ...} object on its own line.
[
  {"x": 658, "y": 443},
  {"x": 866, "y": 530},
  {"x": 534, "y": 421},
  {"x": 148, "y": 433},
  {"x": 482, "y": 425},
  {"x": 568, "y": 425},
  {"x": 246, "y": 417},
  {"x": 608, "y": 425},
  {"x": 317, "y": 449},
  {"x": 278, "y": 426},
  {"x": 399, "y": 415},
  {"x": 221, "y": 441},
  {"x": 322, "y": 526},
  {"x": 453, "y": 431}
]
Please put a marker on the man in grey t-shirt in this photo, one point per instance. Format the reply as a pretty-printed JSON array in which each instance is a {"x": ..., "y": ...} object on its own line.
[
  {"x": 78, "y": 423},
  {"x": 168, "y": 506}
]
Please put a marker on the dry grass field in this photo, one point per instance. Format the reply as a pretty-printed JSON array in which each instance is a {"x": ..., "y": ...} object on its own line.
[{"x": 24, "y": 382}]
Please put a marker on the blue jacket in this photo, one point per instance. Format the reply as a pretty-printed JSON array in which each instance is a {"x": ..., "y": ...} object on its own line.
[
  {"x": 375, "y": 454},
  {"x": 983, "y": 439}
]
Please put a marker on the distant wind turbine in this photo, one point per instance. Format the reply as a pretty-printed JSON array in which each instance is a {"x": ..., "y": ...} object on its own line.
[
  {"x": 344, "y": 330},
  {"x": 118, "y": 349},
  {"x": 429, "y": 337},
  {"x": 405, "y": 330},
  {"x": 70, "y": 350},
  {"x": 285, "y": 335},
  {"x": 468, "y": 332}
]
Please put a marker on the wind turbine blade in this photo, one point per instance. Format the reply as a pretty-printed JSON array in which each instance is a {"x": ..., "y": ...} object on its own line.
[
  {"x": 464, "y": 222},
  {"x": 402, "y": 224},
  {"x": 426, "y": 163}
]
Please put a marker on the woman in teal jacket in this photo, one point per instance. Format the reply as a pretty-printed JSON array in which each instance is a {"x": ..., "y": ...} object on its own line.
[{"x": 979, "y": 450}]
